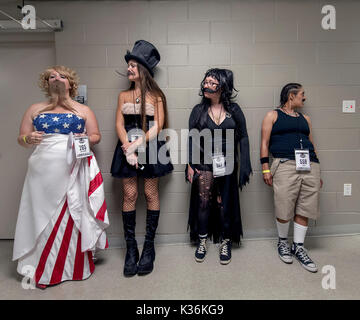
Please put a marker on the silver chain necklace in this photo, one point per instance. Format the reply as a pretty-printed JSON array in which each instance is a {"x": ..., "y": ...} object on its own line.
[{"x": 219, "y": 118}]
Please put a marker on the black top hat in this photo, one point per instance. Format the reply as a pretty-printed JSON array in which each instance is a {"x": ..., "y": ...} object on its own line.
[{"x": 145, "y": 53}]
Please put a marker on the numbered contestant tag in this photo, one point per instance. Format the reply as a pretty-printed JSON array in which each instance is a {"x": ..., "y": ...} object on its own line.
[
  {"x": 302, "y": 159},
  {"x": 218, "y": 165},
  {"x": 135, "y": 136},
  {"x": 82, "y": 147}
]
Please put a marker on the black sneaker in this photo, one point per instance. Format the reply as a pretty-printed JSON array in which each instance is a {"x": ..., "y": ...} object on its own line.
[
  {"x": 225, "y": 251},
  {"x": 298, "y": 250},
  {"x": 284, "y": 251},
  {"x": 201, "y": 250}
]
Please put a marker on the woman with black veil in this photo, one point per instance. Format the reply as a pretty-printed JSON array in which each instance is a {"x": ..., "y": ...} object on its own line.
[{"x": 217, "y": 127}]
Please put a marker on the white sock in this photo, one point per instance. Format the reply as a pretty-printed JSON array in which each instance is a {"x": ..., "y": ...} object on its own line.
[
  {"x": 283, "y": 229},
  {"x": 299, "y": 233}
]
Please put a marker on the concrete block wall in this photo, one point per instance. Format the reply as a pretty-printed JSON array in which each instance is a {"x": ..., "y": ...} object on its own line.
[{"x": 267, "y": 43}]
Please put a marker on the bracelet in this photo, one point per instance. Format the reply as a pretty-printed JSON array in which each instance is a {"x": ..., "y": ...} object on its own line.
[
  {"x": 264, "y": 160},
  {"x": 266, "y": 171},
  {"x": 24, "y": 139}
]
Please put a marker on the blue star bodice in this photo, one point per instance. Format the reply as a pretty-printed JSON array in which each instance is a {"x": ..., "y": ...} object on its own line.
[{"x": 63, "y": 123}]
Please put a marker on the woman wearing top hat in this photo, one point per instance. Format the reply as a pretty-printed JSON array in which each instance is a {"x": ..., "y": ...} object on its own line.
[{"x": 141, "y": 114}]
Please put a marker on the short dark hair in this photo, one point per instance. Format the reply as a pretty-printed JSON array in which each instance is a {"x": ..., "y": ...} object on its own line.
[{"x": 286, "y": 90}]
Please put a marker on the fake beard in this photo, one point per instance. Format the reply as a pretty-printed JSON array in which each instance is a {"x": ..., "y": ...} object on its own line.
[
  {"x": 57, "y": 88},
  {"x": 58, "y": 93}
]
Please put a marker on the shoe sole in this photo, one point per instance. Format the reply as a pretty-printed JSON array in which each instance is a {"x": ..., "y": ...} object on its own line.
[
  {"x": 129, "y": 275},
  {"x": 290, "y": 261},
  {"x": 144, "y": 273},
  {"x": 225, "y": 262},
  {"x": 199, "y": 260},
  {"x": 306, "y": 267}
]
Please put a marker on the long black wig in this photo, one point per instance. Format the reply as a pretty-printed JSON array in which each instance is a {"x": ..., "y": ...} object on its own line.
[{"x": 225, "y": 78}]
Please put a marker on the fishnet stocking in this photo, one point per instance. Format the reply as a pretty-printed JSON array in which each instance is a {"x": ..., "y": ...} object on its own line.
[
  {"x": 205, "y": 183},
  {"x": 151, "y": 190},
  {"x": 130, "y": 193}
]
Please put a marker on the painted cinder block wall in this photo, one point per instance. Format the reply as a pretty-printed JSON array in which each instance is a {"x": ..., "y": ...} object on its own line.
[{"x": 267, "y": 44}]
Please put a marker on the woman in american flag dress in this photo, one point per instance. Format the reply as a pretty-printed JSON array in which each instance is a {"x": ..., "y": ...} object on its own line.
[{"x": 62, "y": 214}]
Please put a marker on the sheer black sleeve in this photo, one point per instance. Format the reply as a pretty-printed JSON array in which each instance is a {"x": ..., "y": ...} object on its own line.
[
  {"x": 243, "y": 140},
  {"x": 193, "y": 119}
]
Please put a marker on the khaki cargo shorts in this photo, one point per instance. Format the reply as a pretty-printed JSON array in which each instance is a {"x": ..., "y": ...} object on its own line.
[{"x": 295, "y": 192}]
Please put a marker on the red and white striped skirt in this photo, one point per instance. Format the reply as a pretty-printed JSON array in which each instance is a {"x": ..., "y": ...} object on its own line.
[{"x": 57, "y": 256}]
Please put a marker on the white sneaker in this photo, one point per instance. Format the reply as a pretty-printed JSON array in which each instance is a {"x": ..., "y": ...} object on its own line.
[{"x": 284, "y": 251}]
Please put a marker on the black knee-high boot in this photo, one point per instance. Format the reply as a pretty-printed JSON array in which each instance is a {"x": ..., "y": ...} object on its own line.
[
  {"x": 146, "y": 263},
  {"x": 132, "y": 252}
]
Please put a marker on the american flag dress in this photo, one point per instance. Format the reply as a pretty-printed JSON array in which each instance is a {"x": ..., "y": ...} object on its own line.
[{"x": 62, "y": 216}]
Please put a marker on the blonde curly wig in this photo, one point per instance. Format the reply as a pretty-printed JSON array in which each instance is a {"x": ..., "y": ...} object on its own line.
[{"x": 70, "y": 74}]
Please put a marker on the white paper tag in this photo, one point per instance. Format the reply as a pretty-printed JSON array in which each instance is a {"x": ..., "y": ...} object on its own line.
[
  {"x": 82, "y": 147},
  {"x": 302, "y": 158},
  {"x": 218, "y": 165}
]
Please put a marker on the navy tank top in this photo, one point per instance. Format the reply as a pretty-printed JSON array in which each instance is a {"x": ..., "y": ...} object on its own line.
[{"x": 286, "y": 134}]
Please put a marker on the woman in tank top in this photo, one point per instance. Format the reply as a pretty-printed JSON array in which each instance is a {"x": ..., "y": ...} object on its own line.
[{"x": 294, "y": 174}]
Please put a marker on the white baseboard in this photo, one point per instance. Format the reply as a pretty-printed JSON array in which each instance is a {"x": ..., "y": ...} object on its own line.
[{"x": 262, "y": 234}]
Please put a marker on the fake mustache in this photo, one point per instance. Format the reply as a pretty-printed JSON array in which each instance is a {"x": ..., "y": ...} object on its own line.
[
  {"x": 209, "y": 90},
  {"x": 124, "y": 74}
]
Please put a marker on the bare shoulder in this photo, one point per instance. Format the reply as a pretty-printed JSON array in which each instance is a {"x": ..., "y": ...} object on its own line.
[
  {"x": 152, "y": 99},
  {"x": 271, "y": 116},
  {"x": 83, "y": 110},
  {"x": 124, "y": 94},
  {"x": 271, "y": 113},
  {"x": 306, "y": 117},
  {"x": 35, "y": 108},
  {"x": 80, "y": 107}
]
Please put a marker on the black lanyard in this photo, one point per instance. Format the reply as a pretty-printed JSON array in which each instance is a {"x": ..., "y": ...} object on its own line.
[{"x": 298, "y": 131}]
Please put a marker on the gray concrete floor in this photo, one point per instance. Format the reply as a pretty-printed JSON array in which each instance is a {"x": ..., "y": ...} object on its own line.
[{"x": 255, "y": 272}]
